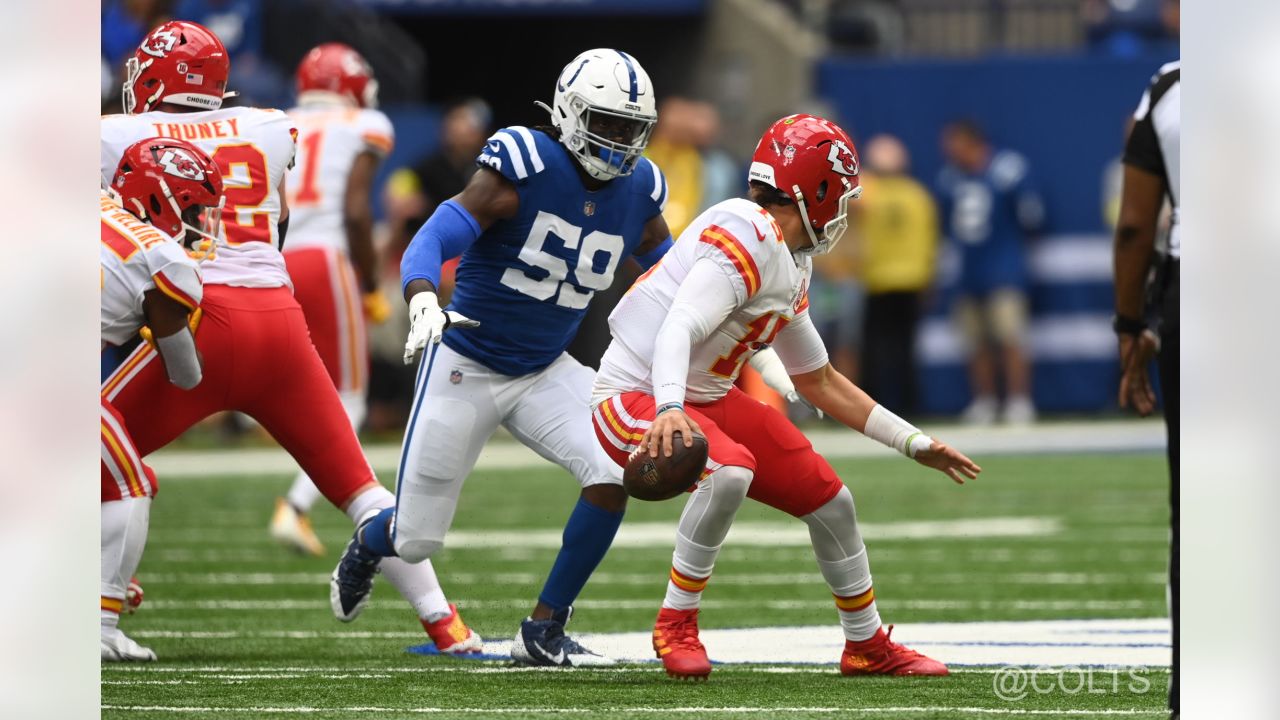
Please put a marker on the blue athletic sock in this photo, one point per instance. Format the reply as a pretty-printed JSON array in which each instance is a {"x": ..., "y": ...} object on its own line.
[
  {"x": 587, "y": 537},
  {"x": 376, "y": 536}
]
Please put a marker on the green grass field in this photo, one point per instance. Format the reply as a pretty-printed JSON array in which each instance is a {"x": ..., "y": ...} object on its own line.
[{"x": 243, "y": 628}]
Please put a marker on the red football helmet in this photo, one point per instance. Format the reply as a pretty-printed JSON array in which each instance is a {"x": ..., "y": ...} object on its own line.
[
  {"x": 170, "y": 184},
  {"x": 813, "y": 162},
  {"x": 179, "y": 62},
  {"x": 337, "y": 69}
]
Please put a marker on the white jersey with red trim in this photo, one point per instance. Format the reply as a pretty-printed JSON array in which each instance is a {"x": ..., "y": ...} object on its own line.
[
  {"x": 254, "y": 148},
  {"x": 330, "y": 137},
  {"x": 137, "y": 257},
  {"x": 771, "y": 287}
]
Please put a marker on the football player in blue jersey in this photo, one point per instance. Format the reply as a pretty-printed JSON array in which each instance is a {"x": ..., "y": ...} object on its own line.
[{"x": 541, "y": 226}]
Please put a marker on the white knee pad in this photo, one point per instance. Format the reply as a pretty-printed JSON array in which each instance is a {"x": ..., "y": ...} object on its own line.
[
  {"x": 833, "y": 528},
  {"x": 713, "y": 505}
]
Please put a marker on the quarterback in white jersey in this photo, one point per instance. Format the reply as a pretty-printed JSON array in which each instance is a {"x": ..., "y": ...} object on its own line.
[
  {"x": 158, "y": 189},
  {"x": 330, "y": 256},
  {"x": 253, "y": 335},
  {"x": 737, "y": 282}
]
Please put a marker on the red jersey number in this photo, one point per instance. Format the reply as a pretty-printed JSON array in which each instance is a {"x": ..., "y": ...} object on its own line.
[
  {"x": 244, "y": 173},
  {"x": 761, "y": 331}
]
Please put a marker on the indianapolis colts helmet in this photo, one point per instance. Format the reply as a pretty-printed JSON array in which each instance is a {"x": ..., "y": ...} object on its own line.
[{"x": 605, "y": 110}]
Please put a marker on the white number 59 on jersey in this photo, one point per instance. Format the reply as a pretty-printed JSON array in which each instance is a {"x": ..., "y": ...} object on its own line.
[{"x": 575, "y": 293}]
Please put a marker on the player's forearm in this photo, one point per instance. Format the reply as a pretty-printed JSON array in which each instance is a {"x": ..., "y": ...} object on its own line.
[
  {"x": 835, "y": 395},
  {"x": 1134, "y": 246},
  {"x": 1135, "y": 239},
  {"x": 415, "y": 287},
  {"x": 447, "y": 234},
  {"x": 359, "y": 227},
  {"x": 671, "y": 359},
  {"x": 181, "y": 359}
]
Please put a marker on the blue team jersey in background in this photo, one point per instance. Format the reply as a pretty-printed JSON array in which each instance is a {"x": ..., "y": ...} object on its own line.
[
  {"x": 989, "y": 217},
  {"x": 528, "y": 279}
]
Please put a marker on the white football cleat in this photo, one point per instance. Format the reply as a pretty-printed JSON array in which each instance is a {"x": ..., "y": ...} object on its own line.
[
  {"x": 293, "y": 530},
  {"x": 118, "y": 647}
]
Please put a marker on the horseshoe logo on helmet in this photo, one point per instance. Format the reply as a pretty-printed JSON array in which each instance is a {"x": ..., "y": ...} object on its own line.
[{"x": 842, "y": 158}]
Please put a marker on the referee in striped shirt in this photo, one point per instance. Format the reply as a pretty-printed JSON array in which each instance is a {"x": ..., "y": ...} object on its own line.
[{"x": 1151, "y": 175}]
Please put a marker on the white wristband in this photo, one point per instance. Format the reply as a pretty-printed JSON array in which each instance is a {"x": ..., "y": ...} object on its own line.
[{"x": 888, "y": 429}]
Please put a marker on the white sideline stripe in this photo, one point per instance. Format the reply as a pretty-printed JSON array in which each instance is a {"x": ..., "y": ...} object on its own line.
[
  {"x": 302, "y": 709},
  {"x": 647, "y": 579},
  {"x": 1065, "y": 437},
  {"x": 1104, "y": 643},
  {"x": 662, "y": 535},
  {"x": 710, "y": 604}
]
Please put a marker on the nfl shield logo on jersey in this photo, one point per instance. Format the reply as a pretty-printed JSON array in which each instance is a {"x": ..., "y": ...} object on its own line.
[
  {"x": 455, "y": 376},
  {"x": 589, "y": 208}
]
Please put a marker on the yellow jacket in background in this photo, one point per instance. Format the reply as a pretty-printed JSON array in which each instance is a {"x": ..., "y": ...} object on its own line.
[{"x": 896, "y": 221}]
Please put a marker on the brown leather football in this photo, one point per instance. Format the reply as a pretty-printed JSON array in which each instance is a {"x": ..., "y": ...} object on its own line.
[{"x": 662, "y": 478}]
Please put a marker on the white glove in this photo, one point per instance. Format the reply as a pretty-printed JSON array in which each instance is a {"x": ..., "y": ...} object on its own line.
[
  {"x": 774, "y": 373},
  {"x": 427, "y": 323}
]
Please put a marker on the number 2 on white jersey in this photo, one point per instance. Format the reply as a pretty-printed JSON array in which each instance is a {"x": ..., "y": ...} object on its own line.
[{"x": 586, "y": 281}]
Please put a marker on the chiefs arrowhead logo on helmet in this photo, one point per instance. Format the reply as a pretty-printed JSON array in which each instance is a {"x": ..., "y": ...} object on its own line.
[
  {"x": 179, "y": 163},
  {"x": 842, "y": 158},
  {"x": 160, "y": 42}
]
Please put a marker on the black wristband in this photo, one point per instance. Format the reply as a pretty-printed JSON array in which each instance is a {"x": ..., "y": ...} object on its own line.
[{"x": 1127, "y": 326}]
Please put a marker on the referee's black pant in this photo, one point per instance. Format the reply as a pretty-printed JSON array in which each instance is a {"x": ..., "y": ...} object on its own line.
[{"x": 1169, "y": 352}]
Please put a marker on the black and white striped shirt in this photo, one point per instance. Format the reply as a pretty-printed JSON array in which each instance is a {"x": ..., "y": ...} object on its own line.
[{"x": 1153, "y": 145}]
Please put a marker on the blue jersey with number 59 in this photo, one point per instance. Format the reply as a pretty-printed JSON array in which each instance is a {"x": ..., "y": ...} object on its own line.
[{"x": 528, "y": 279}]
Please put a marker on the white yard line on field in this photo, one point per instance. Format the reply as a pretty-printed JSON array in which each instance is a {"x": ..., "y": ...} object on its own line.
[
  {"x": 743, "y": 534},
  {"x": 1066, "y": 437},
  {"x": 1134, "y": 642},
  {"x": 648, "y": 603},
  {"x": 649, "y": 579}
]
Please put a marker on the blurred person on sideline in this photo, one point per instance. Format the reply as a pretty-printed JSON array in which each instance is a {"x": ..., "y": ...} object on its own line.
[
  {"x": 414, "y": 193},
  {"x": 721, "y": 174},
  {"x": 673, "y": 148},
  {"x": 1152, "y": 175},
  {"x": 896, "y": 225},
  {"x": 991, "y": 208}
]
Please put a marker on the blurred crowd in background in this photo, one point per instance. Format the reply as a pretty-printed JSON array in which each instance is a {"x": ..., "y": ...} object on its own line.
[{"x": 970, "y": 282}]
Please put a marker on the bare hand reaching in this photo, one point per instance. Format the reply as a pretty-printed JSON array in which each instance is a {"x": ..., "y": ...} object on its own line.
[{"x": 948, "y": 460}]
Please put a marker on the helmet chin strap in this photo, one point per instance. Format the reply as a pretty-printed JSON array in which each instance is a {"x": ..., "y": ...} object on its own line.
[{"x": 808, "y": 226}]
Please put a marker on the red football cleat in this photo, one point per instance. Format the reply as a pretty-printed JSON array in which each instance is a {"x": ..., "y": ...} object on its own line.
[
  {"x": 878, "y": 655},
  {"x": 452, "y": 636},
  {"x": 675, "y": 639}
]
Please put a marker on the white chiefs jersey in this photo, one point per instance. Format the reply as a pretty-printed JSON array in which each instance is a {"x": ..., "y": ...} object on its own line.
[
  {"x": 137, "y": 257},
  {"x": 330, "y": 137},
  {"x": 771, "y": 287},
  {"x": 253, "y": 148}
]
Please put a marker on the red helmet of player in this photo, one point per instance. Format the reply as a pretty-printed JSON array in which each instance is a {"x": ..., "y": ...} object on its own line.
[
  {"x": 171, "y": 184},
  {"x": 813, "y": 162},
  {"x": 337, "y": 69},
  {"x": 180, "y": 63}
]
